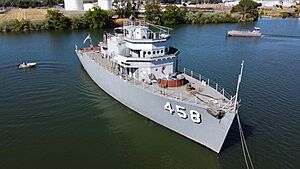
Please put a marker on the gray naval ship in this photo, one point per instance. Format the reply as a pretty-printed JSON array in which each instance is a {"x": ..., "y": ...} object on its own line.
[{"x": 136, "y": 66}]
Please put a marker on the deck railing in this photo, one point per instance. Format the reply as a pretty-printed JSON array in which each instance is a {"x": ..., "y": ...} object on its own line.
[
  {"x": 207, "y": 81},
  {"x": 161, "y": 32},
  {"x": 134, "y": 23},
  {"x": 154, "y": 88}
]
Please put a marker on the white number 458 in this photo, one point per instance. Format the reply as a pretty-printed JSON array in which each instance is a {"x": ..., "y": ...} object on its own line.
[{"x": 181, "y": 111}]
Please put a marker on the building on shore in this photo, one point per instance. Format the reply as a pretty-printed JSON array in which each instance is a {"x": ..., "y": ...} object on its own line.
[
  {"x": 73, "y": 5},
  {"x": 78, "y": 5},
  {"x": 266, "y": 3},
  {"x": 105, "y": 4}
]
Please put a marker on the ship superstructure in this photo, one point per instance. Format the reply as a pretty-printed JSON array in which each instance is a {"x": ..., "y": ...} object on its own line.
[
  {"x": 139, "y": 52},
  {"x": 137, "y": 67}
]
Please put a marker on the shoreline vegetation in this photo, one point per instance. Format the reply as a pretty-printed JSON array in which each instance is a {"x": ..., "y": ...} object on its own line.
[{"x": 245, "y": 11}]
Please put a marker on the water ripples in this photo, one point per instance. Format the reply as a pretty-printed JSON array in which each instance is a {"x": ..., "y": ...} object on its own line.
[{"x": 59, "y": 102}]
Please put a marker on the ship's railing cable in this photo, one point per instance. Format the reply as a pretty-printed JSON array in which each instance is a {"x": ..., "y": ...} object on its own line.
[{"x": 246, "y": 153}]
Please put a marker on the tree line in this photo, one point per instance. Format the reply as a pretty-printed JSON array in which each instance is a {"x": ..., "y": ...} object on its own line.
[
  {"x": 29, "y": 3},
  {"x": 245, "y": 11},
  {"x": 55, "y": 20}
]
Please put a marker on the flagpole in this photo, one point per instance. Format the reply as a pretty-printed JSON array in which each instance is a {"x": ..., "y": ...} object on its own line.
[{"x": 238, "y": 85}]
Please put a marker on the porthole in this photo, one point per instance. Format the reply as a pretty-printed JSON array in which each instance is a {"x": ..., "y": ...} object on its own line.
[{"x": 149, "y": 53}]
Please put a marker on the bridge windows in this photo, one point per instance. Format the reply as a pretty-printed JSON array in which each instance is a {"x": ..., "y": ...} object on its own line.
[{"x": 152, "y": 53}]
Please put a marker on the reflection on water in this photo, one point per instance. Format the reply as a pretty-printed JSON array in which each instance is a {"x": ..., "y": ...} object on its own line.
[{"x": 55, "y": 116}]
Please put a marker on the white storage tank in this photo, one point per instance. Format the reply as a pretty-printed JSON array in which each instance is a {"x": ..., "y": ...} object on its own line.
[
  {"x": 105, "y": 4},
  {"x": 88, "y": 6},
  {"x": 73, "y": 5}
]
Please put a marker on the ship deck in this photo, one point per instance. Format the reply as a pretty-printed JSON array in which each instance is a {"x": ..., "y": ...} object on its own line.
[{"x": 205, "y": 93}]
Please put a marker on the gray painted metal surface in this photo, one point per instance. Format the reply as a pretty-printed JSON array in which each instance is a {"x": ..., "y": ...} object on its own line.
[{"x": 210, "y": 132}]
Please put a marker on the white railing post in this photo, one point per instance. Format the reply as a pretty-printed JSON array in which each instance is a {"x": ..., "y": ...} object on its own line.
[
  {"x": 199, "y": 77},
  {"x": 223, "y": 91},
  {"x": 191, "y": 73},
  {"x": 184, "y": 70},
  {"x": 217, "y": 86},
  {"x": 208, "y": 82}
]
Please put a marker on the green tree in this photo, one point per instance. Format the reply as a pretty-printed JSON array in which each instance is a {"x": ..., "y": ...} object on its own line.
[
  {"x": 78, "y": 23},
  {"x": 97, "y": 18},
  {"x": 190, "y": 17},
  {"x": 56, "y": 20},
  {"x": 124, "y": 8},
  {"x": 247, "y": 9},
  {"x": 153, "y": 12},
  {"x": 173, "y": 15}
]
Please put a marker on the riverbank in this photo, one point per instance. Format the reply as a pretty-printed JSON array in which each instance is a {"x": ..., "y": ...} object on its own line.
[
  {"x": 20, "y": 20},
  {"x": 24, "y": 20},
  {"x": 32, "y": 14},
  {"x": 35, "y": 19}
]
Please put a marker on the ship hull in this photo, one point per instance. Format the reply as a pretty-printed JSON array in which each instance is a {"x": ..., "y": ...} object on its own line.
[{"x": 210, "y": 132}]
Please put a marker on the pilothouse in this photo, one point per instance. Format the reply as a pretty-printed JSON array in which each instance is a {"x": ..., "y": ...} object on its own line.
[{"x": 140, "y": 52}]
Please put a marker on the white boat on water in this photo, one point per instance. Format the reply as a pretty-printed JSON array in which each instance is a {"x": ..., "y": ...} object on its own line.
[
  {"x": 245, "y": 33},
  {"x": 26, "y": 65}
]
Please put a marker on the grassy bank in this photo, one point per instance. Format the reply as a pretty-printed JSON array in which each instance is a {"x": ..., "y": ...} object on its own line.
[
  {"x": 42, "y": 19},
  {"x": 56, "y": 20}
]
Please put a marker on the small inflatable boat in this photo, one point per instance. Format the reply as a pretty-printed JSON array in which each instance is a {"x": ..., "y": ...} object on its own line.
[{"x": 26, "y": 65}]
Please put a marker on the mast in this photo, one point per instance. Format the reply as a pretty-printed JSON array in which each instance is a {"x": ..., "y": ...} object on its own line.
[{"x": 238, "y": 85}]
